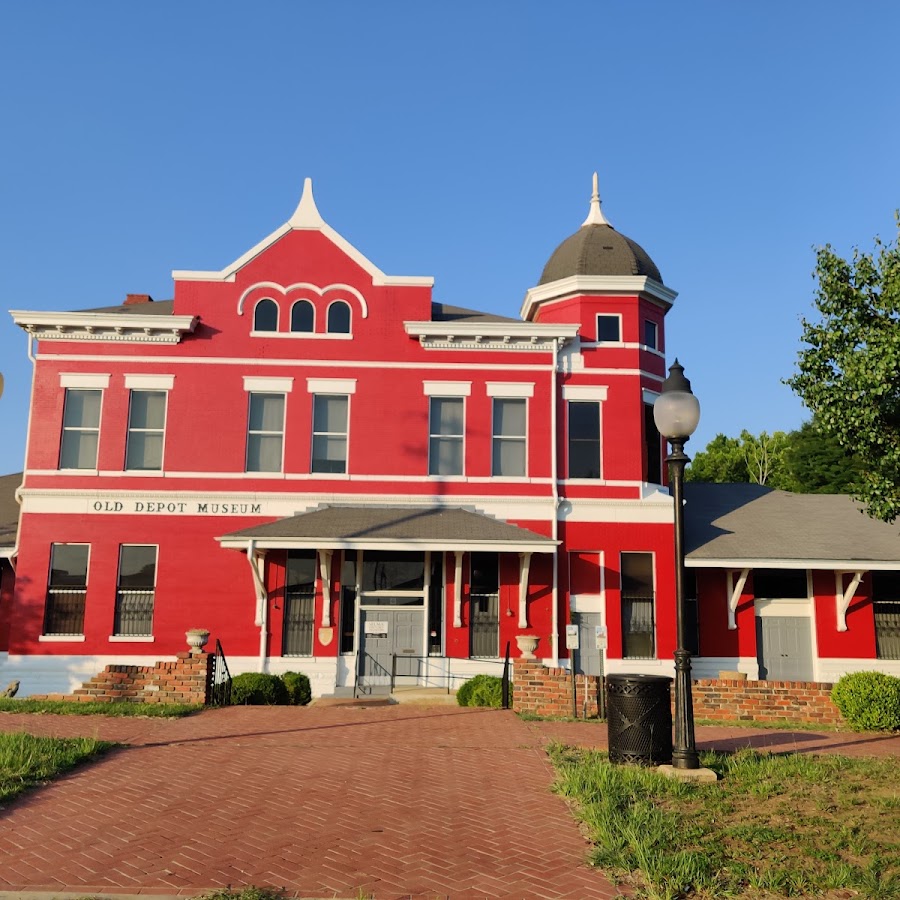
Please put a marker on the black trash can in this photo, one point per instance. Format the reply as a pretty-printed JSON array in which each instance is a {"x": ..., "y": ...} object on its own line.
[{"x": 639, "y": 719}]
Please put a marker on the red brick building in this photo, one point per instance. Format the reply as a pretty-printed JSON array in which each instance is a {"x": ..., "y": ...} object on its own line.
[{"x": 334, "y": 472}]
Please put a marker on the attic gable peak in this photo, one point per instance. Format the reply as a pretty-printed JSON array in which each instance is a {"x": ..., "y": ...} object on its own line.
[{"x": 306, "y": 215}]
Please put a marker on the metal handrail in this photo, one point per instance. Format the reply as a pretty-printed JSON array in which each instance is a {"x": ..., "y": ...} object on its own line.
[
  {"x": 220, "y": 689},
  {"x": 448, "y": 674}
]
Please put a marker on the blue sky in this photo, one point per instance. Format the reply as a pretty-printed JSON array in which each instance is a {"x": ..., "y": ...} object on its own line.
[{"x": 454, "y": 140}]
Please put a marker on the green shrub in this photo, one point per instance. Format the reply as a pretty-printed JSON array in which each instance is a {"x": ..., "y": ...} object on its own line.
[
  {"x": 258, "y": 689},
  {"x": 297, "y": 684},
  {"x": 482, "y": 690},
  {"x": 869, "y": 701}
]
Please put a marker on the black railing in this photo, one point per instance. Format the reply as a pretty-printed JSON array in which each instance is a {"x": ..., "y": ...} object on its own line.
[
  {"x": 504, "y": 685},
  {"x": 65, "y": 611},
  {"x": 134, "y": 612},
  {"x": 219, "y": 693},
  {"x": 440, "y": 669}
]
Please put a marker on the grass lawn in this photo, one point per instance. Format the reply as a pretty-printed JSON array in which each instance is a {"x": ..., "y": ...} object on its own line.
[
  {"x": 26, "y": 761},
  {"x": 788, "y": 825},
  {"x": 75, "y": 708}
]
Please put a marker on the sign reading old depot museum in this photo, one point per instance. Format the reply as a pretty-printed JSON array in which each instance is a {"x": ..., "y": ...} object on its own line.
[{"x": 179, "y": 507}]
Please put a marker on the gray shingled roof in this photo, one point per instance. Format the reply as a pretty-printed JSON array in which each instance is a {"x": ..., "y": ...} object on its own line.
[
  {"x": 442, "y": 312},
  {"x": 155, "y": 308},
  {"x": 9, "y": 508},
  {"x": 599, "y": 250},
  {"x": 361, "y": 525},
  {"x": 751, "y": 522}
]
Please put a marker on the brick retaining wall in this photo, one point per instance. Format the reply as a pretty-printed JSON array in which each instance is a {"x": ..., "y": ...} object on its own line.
[
  {"x": 186, "y": 680},
  {"x": 543, "y": 691}
]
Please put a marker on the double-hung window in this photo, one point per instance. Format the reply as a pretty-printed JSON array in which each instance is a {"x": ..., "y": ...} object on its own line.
[
  {"x": 66, "y": 589},
  {"x": 584, "y": 439},
  {"x": 638, "y": 601},
  {"x": 651, "y": 335},
  {"x": 265, "y": 422},
  {"x": 445, "y": 436},
  {"x": 135, "y": 591},
  {"x": 329, "y": 443},
  {"x": 509, "y": 437},
  {"x": 265, "y": 432},
  {"x": 81, "y": 429},
  {"x": 146, "y": 428}
]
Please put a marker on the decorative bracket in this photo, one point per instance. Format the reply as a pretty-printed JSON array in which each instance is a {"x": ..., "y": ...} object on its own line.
[
  {"x": 325, "y": 574},
  {"x": 734, "y": 595},
  {"x": 255, "y": 559},
  {"x": 843, "y": 597},
  {"x": 457, "y": 588},
  {"x": 524, "y": 567}
]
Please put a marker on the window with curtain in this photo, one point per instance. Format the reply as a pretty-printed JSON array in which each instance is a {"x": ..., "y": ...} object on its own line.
[
  {"x": 146, "y": 430},
  {"x": 638, "y": 600},
  {"x": 329, "y": 439},
  {"x": 509, "y": 437},
  {"x": 265, "y": 432},
  {"x": 66, "y": 589},
  {"x": 136, "y": 590},
  {"x": 81, "y": 429},
  {"x": 445, "y": 438}
]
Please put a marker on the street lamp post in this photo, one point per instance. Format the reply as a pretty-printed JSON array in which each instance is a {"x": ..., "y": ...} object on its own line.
[{"x": 677, "y": 414}]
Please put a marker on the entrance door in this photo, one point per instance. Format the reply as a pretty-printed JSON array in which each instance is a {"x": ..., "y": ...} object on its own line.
[
  {"x": 390, "y": 640},
  {"x": 784, "y": 648},
  {"x": 587, "y": 656}
]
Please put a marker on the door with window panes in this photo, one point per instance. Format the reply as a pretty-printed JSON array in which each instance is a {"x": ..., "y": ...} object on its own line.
[
  {"x": 299, "y": 603},
  {"x": 484, "y": 603}
]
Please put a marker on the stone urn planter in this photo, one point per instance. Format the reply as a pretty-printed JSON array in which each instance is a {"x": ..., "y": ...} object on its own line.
[
  {"x": 197, "y": 639},
  {"x": 527, "y": 645}
]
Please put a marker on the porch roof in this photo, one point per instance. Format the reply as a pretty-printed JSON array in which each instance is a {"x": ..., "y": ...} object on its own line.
[
  {"x": 752, "y": 526},
  {"x": 394, "y": 528},
  {"x": 9, "y": 513}
]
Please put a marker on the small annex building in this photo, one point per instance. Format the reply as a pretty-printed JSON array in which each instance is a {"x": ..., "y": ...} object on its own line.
[{"x": 334, "y": 472}]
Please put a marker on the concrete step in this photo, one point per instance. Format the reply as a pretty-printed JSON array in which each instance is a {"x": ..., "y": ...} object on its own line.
[{"x": 424, "y": 696}]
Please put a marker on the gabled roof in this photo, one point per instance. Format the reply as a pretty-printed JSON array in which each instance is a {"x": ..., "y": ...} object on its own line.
[
  {"x": 748, "y": 525},
  {"x": 306, "y": 217},
  {"x": 409, "y": 527},
  {"x": 9, "y": 512}
]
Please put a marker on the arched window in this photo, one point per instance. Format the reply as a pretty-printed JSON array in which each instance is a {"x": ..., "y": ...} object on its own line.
[
  {"x": 303, "y": 316},
  {"x": 338, "y": 318},
  {"x": 265, "y": 316}
]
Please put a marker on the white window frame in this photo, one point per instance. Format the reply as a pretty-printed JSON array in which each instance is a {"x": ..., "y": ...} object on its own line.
[
  {"x": 254, "y": 331},
  {"x": 75, "y": 636},
  {"x": 499, "y": 437},
  {"x": 607, "y": 315},
  {"x": 344, "y": 434},
  {"x": 331, "y": 333},
  {"x": 118, "y": 637},
  {"x": 309, "y": 303},
  {"x": 581, "y": 393},
  {"x": 131, "y": 430},
  {"x": 250, "y": 395},
  {"x": 461, "y": 437},
  {"x": 655, "y": 326},
  {"x": 81, "y": 383}
]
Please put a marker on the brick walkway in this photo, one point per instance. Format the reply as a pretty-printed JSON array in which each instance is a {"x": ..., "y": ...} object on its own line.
[{"x": 392, "y": 801}]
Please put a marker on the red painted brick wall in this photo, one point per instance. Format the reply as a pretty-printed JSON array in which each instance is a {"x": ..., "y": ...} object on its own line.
[{"x": 548, "y": 692}]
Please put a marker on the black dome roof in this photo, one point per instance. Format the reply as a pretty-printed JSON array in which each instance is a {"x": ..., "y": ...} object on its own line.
[{"x": 599, "y": 250}]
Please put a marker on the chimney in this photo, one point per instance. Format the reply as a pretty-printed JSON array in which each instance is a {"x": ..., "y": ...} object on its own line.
[{"x": 132, "y": 299}]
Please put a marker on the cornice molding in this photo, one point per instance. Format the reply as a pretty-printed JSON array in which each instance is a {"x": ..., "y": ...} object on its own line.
[
  {"x": 491, "y": 335},
  {"x": 107, "y": 327},
  {"x": 597, "y": 286}
]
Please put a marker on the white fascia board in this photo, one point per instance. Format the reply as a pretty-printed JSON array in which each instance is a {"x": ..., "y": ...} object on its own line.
[
  {"x": 231, "y": 543},
  {"x": 866, "y": 565},
  {"x": 491, "y": 329},
  {"x": 378, "y": 277},
  {"x": 7, "y": 552},
  {"x": 597, "y": 285},
  {"x": 69, "y": 326}
]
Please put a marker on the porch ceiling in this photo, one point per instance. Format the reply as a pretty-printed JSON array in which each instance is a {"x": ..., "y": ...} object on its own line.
[{"x": 396, "y": 528}]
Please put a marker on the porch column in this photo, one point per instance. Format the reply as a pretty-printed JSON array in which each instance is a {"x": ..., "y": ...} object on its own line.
[
  {"x": 457, "y": 588},
  {"x": 524, "y": 568},
  {"x": 325, "y": 574}
]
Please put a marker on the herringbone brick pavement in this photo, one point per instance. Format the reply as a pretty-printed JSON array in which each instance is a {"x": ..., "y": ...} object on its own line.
[{"x": 333, "y": 802}]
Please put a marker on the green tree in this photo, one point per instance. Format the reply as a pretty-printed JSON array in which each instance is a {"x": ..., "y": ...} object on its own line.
[
  {"x": 815, "y": 463},
  {"x": 747, "y": 458},
  {"x": 849, "y": 370}
]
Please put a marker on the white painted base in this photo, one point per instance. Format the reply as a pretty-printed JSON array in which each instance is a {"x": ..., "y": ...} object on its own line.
[
  {"x": 62, "y": 674},
  {"x": 710, "y": 666},
  {"x": 830, "y": 670}
]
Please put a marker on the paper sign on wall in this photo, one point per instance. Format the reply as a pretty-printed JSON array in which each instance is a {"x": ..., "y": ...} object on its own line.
[
  {"x": 571, "y": 637},
  {"x": 600, "y": 632},
  {"x": 376, "y": 629}
]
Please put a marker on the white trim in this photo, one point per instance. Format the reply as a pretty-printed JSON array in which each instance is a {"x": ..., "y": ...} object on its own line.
[
  {"x": 90, "y": 381},
  {"x": 83, "y": 326},
  {"x": 830, "y": 669},
  {"x": 596, "y": 285},
  {"x": 308, "y": 363},
  {"x": 331, "y": 386},
  {"x": 131, "y": 639},
  {"x": 585, "y": 392},
  {"x": 735, "y": 592},
  {"x": 649, "y": 396},
  {"x": 534, "y": 331},
  {"x": 285, "y": 289},
  {"x": 61, "y": 638},
  {"x": 447, "y": 388},
  {"x": 256, "y": 305},
  {"x": 822, "y": 565},
  {"x": 305, "y": 218},
  {"x": 601, "y": 343},
  {"x": 150, "y": 382},
  {"x": 303, "y": 335},
  {"x": 457, "y": 588},
  {"x": 263, "y": 384},
  {"x": 524, "y": 569},
  {"x": 324, "y": 560},
  {"x": 793, "y": 607},
  {"x": 509, "y": 389}
]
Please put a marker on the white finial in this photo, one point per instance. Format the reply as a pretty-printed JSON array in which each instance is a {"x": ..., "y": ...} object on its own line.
[
  {"x": 306, "y": 215},
  {"x": 595, "y": 215}
]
